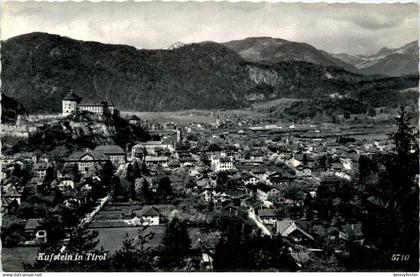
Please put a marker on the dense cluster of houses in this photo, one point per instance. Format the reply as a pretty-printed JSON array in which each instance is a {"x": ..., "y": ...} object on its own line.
[{"x": 239, "y": 171}]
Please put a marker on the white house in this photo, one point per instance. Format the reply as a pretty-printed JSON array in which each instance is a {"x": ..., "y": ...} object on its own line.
[
  {"x": 221, "y": 163},
  {"x": 151, "y": 216}
]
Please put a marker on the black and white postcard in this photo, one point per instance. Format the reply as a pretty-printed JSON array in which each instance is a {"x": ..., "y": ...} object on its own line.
[{"x": 209, "y": 136}]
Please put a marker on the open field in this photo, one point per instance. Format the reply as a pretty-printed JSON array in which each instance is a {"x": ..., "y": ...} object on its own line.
[
  {"x": 12, "y": 259},
  {"x": 281, "y": 102},
  {"x": 194, "y": 116},
  {"x": 111, "y": 239}
]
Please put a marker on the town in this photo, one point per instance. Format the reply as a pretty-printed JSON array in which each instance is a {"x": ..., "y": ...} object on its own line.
[{"x": 234, "y": 193}]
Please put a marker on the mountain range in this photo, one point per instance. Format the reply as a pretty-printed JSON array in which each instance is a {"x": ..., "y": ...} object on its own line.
[
  {"x": 267, "y": 50},
  {"x": 39, "y": 69},
  {"x": 391, "y": 62}
]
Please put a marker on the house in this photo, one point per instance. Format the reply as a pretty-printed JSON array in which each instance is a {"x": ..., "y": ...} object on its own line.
[
  {"x": 290, "y": 229},
  {"x": 34, "y": 234},
  {"x": 249, "y": 179},
  {"x": 161, "y": 160},
  {"x": 220, "y": 163},
  {"x": 11, "y": 197},
  {"x": 8, "y": 205},
  {"x": 331, "y": 181},
  {"x": 259, "y": 173},
  {"x": 134, "y": 120},
  {"x": 303, "y": 171},
  {"x": 65, "y": 183},
  {"x": 265, "y": 192},
  {"x": 151, "y": 216},
  {"x": 114, "y": 153},
  {"x": 207, "y": 193},
  {"x": 233, "y": 210},
  {"x": 292, "y": 162},
  {"x": 336, "y": 167},
  {"x": 220, "y": 197},
  {"x": 267, "y": 216},
  {"x": 351, "y": 232},
  {"x": 40, "y": 169},
  {"x": 75, "y": 198},
  {"x": 36, "y": 182},
  {"x": 86, "y": 159},
  {"x": 280, "y": 179}
]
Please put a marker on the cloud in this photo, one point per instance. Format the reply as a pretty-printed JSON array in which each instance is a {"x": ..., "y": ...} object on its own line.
[{"x": 351, "y": 28}]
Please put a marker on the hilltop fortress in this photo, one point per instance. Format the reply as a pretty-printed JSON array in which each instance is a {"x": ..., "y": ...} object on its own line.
[{"x": 72, "y": 103}]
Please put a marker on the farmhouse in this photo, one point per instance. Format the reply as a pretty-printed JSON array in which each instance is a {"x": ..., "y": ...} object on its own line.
[{"x": 288, "y": 228}]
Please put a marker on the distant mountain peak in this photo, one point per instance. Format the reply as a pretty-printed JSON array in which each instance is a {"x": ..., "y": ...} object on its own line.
[
  {"x": 176, "y": 45},
  {"x": 384, "y": 51},
  {"x": 268, "y": 50},
  {"x": 387, "y": 61}
]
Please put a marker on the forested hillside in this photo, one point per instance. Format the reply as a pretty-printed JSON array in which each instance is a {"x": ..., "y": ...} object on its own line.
[{"x": 39, "y": 69}]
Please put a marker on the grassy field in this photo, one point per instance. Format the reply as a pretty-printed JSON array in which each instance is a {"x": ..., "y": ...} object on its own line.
[
  {"x": 111, "y": 239},
  {"x": 194, "y": 116},
  {"x": 12, "y": 259}
]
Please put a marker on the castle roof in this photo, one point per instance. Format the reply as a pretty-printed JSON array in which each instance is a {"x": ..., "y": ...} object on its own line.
[{"x": 71, "y": 96}]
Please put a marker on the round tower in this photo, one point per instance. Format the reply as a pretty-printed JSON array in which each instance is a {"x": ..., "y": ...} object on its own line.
[{"x": 70, "y": 102}]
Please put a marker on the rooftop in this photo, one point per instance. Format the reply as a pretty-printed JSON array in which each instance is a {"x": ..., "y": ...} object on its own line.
[
  {"x": 96, "y": 155},
  {"x": 71, "y": 96},
  {"x": 109, "y": 149},
  {"x": 267, "y": 213},
  {"x": 32, "y": 223}
]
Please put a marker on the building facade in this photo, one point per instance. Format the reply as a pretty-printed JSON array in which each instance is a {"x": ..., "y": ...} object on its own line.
[{"x": 71, "y": 104}]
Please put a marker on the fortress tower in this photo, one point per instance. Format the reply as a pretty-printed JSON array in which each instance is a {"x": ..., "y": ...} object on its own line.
[{"x": 70, "y": 102}]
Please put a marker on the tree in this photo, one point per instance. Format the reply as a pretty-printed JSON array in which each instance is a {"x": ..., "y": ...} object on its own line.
[
  {"x": 132, "y": 173},
  {"x": 404, "y": 137},
  {"x": 346, "y": 115},
  {"x": 117, "y": 188},
  {"x": 305, "y": 159},
  {"x": 144, "y": 169},
  {"x": 205, "y": 159},
  {"x": 134, "y": 254},
  {"x": 240, "y": 250},
  {"x": 371, "y": 111},
  {"x": 12, "y": 232},
  {"x": 391, "y": 222},
  {"x": 49, "y": 176},
  {"x": 145, "y": 190},
  {"x": 164, "y": 188},
  {"x": 176, "y": 246}
]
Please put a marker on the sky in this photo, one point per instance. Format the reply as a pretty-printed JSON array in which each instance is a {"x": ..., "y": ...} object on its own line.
[{"x": 336, "y": 28}]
